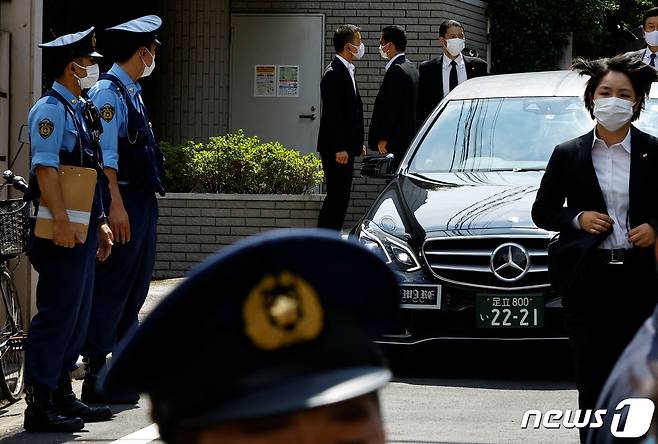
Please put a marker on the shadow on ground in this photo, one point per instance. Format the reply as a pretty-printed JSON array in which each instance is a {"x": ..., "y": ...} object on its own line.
[{"x": 489, "y": 365}]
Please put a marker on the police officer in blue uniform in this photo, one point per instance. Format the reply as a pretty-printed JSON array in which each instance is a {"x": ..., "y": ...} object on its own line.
[
  {"x": 282, "y": 347},
  {"x": 62, "y": 132},
  {"x": 134, "y": 166}
]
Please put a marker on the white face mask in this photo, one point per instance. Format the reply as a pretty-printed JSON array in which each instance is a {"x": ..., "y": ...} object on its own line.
[
  {"x": 612, "y": 112},
  {"x": 148, "y": 69},
  {"x": 455, "y": 46},
  {"x": 651, "y": 38},
  {"x": 382, "y": 52},
  {"x": 93, "y": 72},
  {"x": 360, "y": 52}
]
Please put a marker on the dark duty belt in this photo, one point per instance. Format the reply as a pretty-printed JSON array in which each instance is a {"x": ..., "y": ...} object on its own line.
[{"x": 616, "y": 256}]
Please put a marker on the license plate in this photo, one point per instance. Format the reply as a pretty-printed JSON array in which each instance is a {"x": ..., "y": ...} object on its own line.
[
  {"x": 519, "y": 311},
  {"x": 420, "y": 296}
]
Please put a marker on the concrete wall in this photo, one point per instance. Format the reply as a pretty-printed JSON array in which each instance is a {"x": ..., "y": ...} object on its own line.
[
  {"x": 193, "y": 66},
  {"x": 193, "y": 226},
  {"x": 22, "y": 19},
  {"x": 192, "y": 75},
  {"x": 421, "y": 19}
]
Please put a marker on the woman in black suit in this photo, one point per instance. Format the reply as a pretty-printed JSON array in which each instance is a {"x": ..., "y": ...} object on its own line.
[{"x": 600, "y": 192}]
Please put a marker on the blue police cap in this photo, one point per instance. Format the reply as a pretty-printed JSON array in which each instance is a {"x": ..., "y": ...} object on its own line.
[
  {"x": 141, "y": 30},
  {"x": 73, "y": 45},
  {"x": 277, "y": 323}
]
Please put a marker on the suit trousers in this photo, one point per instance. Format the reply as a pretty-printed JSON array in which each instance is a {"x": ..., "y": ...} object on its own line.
[
  {"x": 64, "y": 292},
  {"x": 338, "y": 178},
  {"x": 122, "y": 282},
  {"x": 602, "y": 314}
]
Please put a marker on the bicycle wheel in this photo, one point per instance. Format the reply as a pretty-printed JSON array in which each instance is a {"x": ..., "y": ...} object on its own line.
[{"x": 12, "y": 333}]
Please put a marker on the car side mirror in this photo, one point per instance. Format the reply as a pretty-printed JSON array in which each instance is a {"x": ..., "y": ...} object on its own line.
[{"x": 378, "y": 167}]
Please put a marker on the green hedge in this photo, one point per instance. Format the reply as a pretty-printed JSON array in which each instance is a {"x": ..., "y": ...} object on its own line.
[{"x": 236, "y": 163}]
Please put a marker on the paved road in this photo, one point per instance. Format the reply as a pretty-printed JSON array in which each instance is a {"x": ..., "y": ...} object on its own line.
[{"x": 479, "y": 397}]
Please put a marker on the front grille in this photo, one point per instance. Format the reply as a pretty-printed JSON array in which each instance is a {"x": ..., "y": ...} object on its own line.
[{"x": 467, "y": 261}]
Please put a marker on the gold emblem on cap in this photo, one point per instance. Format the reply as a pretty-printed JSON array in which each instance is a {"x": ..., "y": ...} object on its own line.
[
  {"x": 93, "y": 41},
  {"x": 281, "y": 311}
]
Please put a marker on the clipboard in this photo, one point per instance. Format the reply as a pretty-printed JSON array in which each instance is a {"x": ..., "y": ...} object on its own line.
[{"x": 78, "y": 186}]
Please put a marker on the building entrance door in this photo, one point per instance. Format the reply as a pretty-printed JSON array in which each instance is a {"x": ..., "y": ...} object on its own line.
[{"x": 276, "y": 68}]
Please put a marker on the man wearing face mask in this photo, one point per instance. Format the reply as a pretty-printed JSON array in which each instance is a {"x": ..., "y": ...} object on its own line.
[
  {"x": 650, "y": 25},
  {"x": 393, "y": 123},
  {"x": 61, "y": 134},
  {"x": 341, "y": 126},
  {"x": 598, "y": 192},
  {"x": 134, "y": 166},
  {"x": 441, "y": 75}
]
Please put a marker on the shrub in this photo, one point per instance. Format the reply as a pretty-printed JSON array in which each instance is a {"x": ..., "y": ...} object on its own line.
[
  {"x": 236, "y": 163},
  {"x": 178, "y": 158}
]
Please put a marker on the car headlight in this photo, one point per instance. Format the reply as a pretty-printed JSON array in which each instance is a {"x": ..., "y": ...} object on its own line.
[{"x": 391, "y": 249}]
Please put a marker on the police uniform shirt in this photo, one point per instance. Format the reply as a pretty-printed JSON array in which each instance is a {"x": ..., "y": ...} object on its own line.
[
  {"x": 52, "y": 128},
  {"x": 447, "y": 67},
  {"x": 114, "y": 112}
]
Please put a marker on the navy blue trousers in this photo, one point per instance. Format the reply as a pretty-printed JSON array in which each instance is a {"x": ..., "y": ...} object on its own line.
[
  {"x": 58, "y": 331},
  {"x": 122, "y": 282}
]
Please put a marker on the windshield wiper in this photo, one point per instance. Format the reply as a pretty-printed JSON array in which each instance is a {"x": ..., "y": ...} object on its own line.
[
  {"x": 421, "y": 177},
  {"x": 514, "y": 170},
  {"x": 428, "y": 179}
]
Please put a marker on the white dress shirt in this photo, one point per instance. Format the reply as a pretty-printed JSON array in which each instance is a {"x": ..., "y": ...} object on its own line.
[
  {"x": 390, "y": 62},
  {"x": 461, "y": 72},
  {"x": 613, "y": 171},
  {"x": 647, "y": 57},
  {"x": 350, "y": 68}
]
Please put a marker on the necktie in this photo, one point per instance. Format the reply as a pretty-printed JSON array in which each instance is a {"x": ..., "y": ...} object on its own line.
[
  {"x": 653, "y": 60},
  {"x": 453, "y": 76}
]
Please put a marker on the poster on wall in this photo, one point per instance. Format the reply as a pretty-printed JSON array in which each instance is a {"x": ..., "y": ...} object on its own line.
[
  {"x": 288, "y": 83},
  {"x": 265, "y": 81}
]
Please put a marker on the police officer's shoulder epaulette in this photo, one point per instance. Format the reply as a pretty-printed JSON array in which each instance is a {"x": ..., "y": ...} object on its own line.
[{"x": 51, "y": 101}]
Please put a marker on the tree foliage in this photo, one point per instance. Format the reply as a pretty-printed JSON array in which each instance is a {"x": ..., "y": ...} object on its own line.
[{"x": 531, "y": 35}]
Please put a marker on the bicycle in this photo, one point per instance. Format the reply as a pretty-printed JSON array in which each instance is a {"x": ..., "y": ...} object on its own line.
[{"x": 14, "y": 232}]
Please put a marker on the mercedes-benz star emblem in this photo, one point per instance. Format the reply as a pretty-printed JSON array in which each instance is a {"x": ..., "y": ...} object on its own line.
[{"x": 510, "y": 262}]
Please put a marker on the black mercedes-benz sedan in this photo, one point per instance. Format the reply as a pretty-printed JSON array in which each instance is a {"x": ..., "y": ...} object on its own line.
[{"x": 454, "y": 220}]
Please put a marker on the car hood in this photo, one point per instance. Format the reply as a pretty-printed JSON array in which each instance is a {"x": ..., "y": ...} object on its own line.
[{"x": 458, "y": 201}]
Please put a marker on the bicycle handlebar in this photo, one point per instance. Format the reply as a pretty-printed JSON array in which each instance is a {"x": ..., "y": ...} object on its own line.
[{"x": 17, "y": 182}]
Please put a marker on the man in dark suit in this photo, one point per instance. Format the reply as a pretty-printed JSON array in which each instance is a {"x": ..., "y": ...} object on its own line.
[
  {"x": 441, "y": 75},
  {"x": 650, "y": 25},
  {"x": 341, "y": 126},
  {"x": 393, "y": 123}
]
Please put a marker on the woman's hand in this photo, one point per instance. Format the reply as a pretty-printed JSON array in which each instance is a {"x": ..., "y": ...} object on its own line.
[
  {"x": 643, "y": 236},
  {"x": 594, "y": 222}
]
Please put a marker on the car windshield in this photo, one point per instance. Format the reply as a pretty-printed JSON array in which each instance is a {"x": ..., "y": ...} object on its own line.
[{"x": 507, "y": 134}]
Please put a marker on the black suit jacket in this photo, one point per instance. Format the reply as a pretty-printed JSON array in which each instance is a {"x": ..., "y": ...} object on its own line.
[
  {"x": 570, "y": 176},
  {"x": 430, "y": 83},
  {"x": 341, "y": 123},
  {"x": 394, "y": 114}
]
